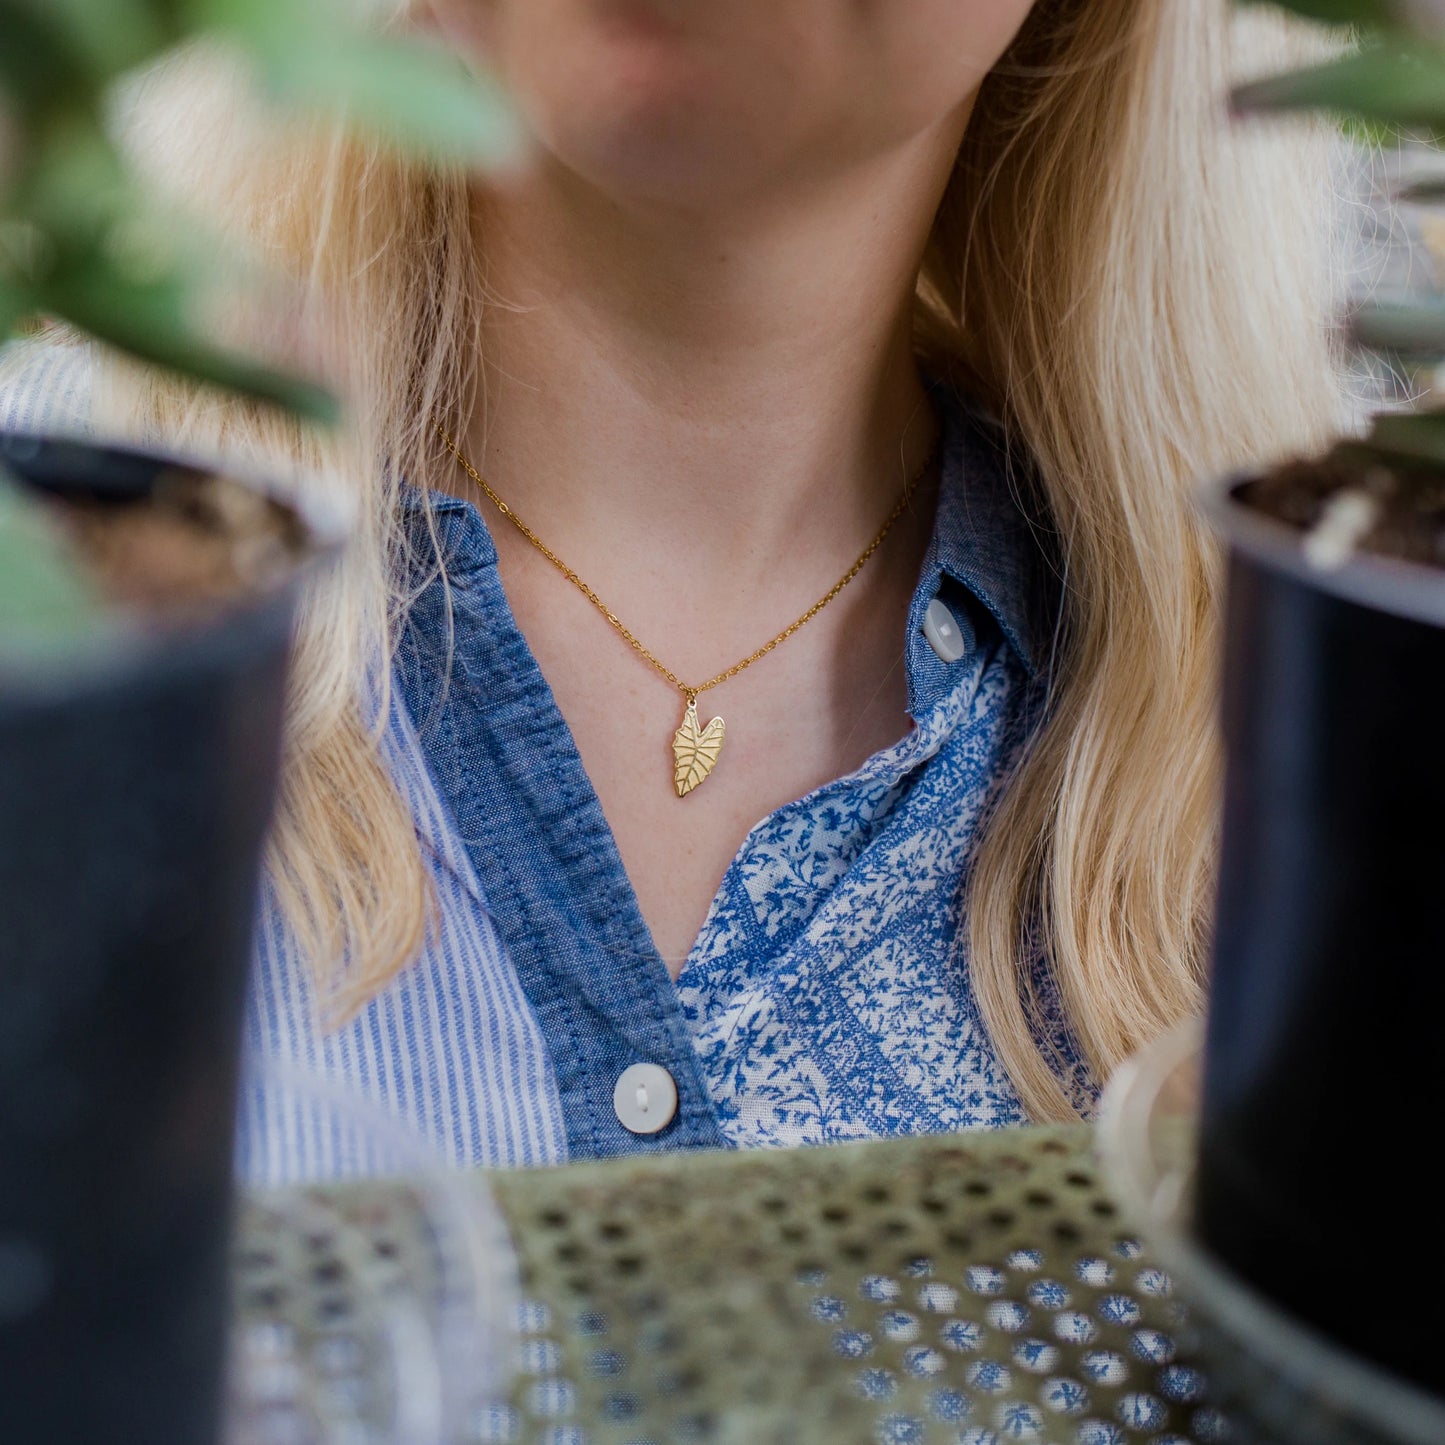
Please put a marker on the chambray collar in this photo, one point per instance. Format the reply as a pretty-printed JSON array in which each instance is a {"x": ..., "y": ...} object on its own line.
[
  {"x": 990, "y": 538},
  {"x": 990, "y": 535}
]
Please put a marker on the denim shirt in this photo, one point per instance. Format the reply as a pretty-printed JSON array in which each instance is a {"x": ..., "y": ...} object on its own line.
[{"x": 827, "y": 994}]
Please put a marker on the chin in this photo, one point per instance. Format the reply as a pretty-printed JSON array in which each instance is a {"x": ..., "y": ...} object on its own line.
[
  {"x": 689, "y": 102},
  {"x": 660, "y": 158},
  {"x": 662, "y": 101},
  {"x": 653, "y": 126}
]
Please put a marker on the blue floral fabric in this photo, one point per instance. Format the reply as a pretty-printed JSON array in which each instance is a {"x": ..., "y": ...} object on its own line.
[{"x": 828, "y": 994}]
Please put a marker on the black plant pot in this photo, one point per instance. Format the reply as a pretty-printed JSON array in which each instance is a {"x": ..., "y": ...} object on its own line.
[
  {"x": 1324, "y": 1088},
  {"x": 134, "y": 794}
]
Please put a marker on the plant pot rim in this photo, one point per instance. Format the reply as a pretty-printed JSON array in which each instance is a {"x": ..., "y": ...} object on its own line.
[
  {"x": 230, "y": 631},
  {"x": 1405, "y": 589},
  {"x": 1150, "y": 1185}
]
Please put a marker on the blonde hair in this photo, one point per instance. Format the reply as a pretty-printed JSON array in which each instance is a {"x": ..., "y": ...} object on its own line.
[{"x": 1141, "y": 293}]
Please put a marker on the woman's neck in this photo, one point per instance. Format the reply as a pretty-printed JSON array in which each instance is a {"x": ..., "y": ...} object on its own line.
[{"x": 704, "y": 387}]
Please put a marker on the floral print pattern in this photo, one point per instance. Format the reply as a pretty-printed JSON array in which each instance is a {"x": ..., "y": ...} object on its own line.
[{"x": 828, "y": 993}]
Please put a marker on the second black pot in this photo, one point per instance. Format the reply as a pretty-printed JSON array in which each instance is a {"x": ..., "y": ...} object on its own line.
[{"x": 1324, "y": 1087}]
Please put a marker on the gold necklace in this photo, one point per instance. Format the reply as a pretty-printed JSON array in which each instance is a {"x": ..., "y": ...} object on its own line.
[{"x": 695, "y": 748}]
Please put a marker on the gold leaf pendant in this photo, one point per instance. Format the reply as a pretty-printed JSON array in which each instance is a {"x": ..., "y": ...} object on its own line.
[{"x": 695, "y": 750}]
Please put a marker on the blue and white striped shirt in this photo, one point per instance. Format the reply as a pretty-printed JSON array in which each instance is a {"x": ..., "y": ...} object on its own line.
[{"x": 451, "y": 1049}]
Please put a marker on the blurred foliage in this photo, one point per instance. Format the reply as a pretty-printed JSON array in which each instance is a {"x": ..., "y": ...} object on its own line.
[
  {"x": 47, "y": 604},
  {"x": 78, "y": 236},
  {"x": 1394, "y": 83},
  {"x": 1368, "y": 14},
  {"x": 1390, "y": 87},
  {"x": 81, "y": 242}
]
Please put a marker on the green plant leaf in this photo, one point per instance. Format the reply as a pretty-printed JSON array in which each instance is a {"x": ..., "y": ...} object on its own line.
[
  {"x": 318, "y": 58},
  {"x": 1420, "y": 17},
  {"x": 120, "y": 268},
  {"x": 76, "y": 183},
  {"x": 37, "y": 67},
  {"x": 69, "y": 194},
  {"x": 105, "y": 37},
  {"x": 48, "y": 604},
  {"x": 1393, "y": 84},
  {"x": 1417, "y": 436},
  {"x": 150, "y": 318},
  {"x": 1370, "y": 135},
  {"x": 405, "y": 92},
  {"x": 1412, "y": 328},
  {"x": 15, "y": 305},
  {"x": 1362, "y": 13}
]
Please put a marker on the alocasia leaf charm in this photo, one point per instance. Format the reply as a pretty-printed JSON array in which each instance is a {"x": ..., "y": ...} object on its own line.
[{"x": 695, "y": 750}]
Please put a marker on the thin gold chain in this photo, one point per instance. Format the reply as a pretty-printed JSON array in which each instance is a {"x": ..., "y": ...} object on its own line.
[{"x": 689, "y": 693}]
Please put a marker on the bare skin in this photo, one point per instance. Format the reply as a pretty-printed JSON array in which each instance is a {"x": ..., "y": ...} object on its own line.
[{"x": 700, "y": 388}]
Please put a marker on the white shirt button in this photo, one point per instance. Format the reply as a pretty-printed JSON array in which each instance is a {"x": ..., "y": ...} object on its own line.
[
  {"x": 645, "y": 1098},
  {"x": 941, "y": 630}
]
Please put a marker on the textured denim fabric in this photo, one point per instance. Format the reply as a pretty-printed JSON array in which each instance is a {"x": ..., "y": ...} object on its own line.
[{"x": 543, "y": 855}]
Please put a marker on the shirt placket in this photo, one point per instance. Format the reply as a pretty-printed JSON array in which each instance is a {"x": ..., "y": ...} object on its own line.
[{"x": 547, "y": 863}]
